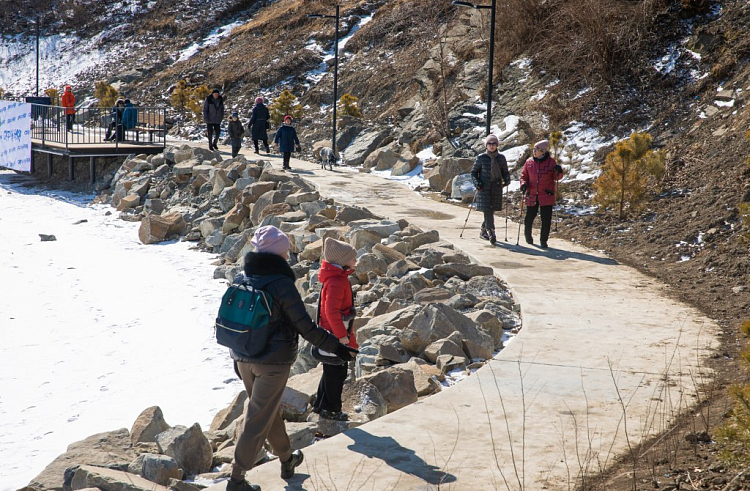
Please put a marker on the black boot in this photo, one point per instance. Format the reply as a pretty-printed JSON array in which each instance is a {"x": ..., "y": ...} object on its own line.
[
  {"x": 493, "y": 239},
  {"x": 241, "y": 485},
  {"x": 287, "y": 467},
  {"x": 483, "y": 234}
]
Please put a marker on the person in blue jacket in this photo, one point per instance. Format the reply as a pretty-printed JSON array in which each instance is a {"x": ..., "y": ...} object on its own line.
[
  {"x": 129, "y": 116},
  {"x": 287, "y": 141}
]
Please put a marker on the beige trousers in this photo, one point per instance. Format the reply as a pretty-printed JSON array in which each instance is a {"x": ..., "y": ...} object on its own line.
[{"x": 265, "y": 385}]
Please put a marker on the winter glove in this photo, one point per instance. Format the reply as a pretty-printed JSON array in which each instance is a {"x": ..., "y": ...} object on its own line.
[
  {"x": 345, "y": 353},
  {"x": 558, "y": 169},
  {"x": 299, "y": 148},
  {"x": 524, "y": 187}
]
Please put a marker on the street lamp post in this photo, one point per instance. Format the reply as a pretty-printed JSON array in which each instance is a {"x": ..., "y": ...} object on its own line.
[
  {"x": 37, "y": 56},
  {"x": 335, "y": 71},
  {"x": 492, "y": 51}
]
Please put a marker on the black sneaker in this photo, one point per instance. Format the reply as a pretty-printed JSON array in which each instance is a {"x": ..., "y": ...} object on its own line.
[
  {"x": 484, "y": 235},
  {"x": 237, "y": 485},
  {"x": 529, "y": 240},
  {"x": 493, "y": 239},
  {"x": 543, "y": 245},
  {"x": 334, "y": 415},
  {"x": 287, "y": 468}
]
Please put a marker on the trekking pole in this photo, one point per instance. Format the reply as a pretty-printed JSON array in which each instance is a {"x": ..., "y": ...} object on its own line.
[
  {"x": 467, "y": 215},
  {"x": 507, "y": 190},
  {"x": 556, "y": 216},
  {"x": 520, "y": 216}
]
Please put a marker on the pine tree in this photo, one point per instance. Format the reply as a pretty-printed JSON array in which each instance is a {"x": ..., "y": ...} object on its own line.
[
  {"x": 557, "y": 141},
  {"x": 285, "y": 104},
  {"x": 54, "y": 95},
  {"x": 627, "y": 173},
  {"x": 195, "y": 100},
  {"x": 349, "y": 106},
  {"x": 2, "y": 91},
  {"x": 180, "y": 95},
  {"x": 105, "y": 94}
]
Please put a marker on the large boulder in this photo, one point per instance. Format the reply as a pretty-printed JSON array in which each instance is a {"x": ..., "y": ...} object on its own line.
[
  {"x": 234, "y": 218},
  {"x": 188, "y": 446},
  {"x": 384, "y": 228},
  {"x": 103, "y": 479},
  {"x": 111, "y": 449},
  {"x": 270, "y": 198},
  {"x": 463, "y": 271},
  {"x": 462, "y": 187},
  {"x": 388, "y": 323},
  {"x": 361, "y": 400},
  {"x": 147, "y": 425},
  {"x": 427, "y": 377},
  {"x": 156, "y": 468},
  {"x": 363, "y": 239},
  {"x": 312, "y": 251},
  {"x": 438, "y": 321},
  {"x": 396, "y": 385},
  {"x": 224, "y": 418},
  {"x": 356, "y": 153},
  {"x": 158, "y": 228},
  {"x": 414, "y": 241},
  {"x": 387, "y": 254},
  {"x": 446, "y": 170},
  {"x": 347, "y": 214},
  {"x": 254, "y": 191},
  {"x": 369, "y": 263},
  {"x": 383, "y": 158},
  {"x": 302, "y": 197},
  {"x": 407, "y": 162},
  {"x": 294, "y": 405},
  {"x": 306, "y": 383},
  {"x": 488, "y": 321}
]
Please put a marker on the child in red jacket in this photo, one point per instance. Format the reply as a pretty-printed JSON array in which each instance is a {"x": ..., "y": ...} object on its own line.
[{"x": 336, "y": 315}]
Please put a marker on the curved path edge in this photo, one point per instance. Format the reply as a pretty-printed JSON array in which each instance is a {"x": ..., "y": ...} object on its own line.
[{"x": 605, "y": 359}]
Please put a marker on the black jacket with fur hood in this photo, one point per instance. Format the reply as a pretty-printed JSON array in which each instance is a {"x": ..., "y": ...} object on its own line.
[{"x": 289, "y": 318}]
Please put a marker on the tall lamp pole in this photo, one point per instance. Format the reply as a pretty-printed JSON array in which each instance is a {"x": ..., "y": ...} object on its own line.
[
  {"x": 492, "y": 51},
  {"x": 335, "y": 70},
  {"x": 37, "y": 56}
]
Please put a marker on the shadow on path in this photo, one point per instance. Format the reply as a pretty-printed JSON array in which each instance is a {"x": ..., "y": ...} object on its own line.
[
  {"x": 556, "y": 254},
  {"x": 400, "y": 458}
]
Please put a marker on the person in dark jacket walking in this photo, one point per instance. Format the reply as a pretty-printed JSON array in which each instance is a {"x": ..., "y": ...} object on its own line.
[
  {"x": 539, "y": 187},
  {"x": 129, "y": 118},
  {"x": 114, "y": 130},
  {"x": 336, "y": 316},
  {"x": 265, "y": 375},
  {"x": 286, "y": 139},
  {"x": 236, "y": 132},
  {"x": 490, "y": 174},
  {"x": 213, "y": 115},
  {"x": 259, "y": 124}
]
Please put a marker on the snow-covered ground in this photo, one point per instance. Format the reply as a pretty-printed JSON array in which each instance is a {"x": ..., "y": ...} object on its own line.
[{"x": 97, "y": 327}]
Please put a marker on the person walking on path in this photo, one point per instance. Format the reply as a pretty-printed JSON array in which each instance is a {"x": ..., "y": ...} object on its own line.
[
  {"x": 286, "y": 139},
  {"x": 259, "y": 124},
  {"x": 236, "y": 132},
  {"x": 129, "y": 118},
  {"x": 538, "y": 185},
  {"x": 265, "y": 375},
  {"x": 490, "y": 174},
  {"x": 213, "y": 115},
  {"x": 114, "y": 130},
  {"x": 69, "y": 103},
  {"x": 336, "y": 315}
]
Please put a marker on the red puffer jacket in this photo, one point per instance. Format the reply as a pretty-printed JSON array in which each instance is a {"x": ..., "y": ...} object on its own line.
[
  {"x": 539, "y": 177},
  {"x": 335, "y": 300}
]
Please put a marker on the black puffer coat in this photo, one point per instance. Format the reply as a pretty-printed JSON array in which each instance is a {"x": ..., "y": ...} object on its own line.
[
  {"x": 259, "y": 122},
  {"x": 289, "y": 319},
  {"x": 490, "y": 198},
  {"x": 213, "y": 109},
  {"x": 235, "y": 130}
]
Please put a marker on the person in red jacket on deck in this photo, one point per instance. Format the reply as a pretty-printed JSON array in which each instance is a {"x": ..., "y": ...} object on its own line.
[
  {"x": 538, "y": 185},
  {"x": 69, "y": 103},
  {"x": 336, "y": 316}
]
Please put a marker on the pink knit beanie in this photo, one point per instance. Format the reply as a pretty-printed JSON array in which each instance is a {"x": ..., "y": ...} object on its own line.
[
  {"x": 338, "y": 252},
  {"x": 259, "y": 100},
  {"x": 270, "y": 239},
  {"x": 542, "y": 145}
]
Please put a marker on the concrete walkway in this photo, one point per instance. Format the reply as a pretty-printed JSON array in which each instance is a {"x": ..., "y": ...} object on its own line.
[{"x": 604, "y": 358}]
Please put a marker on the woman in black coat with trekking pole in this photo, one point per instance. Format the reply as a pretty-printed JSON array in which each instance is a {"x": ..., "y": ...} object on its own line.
[{"x": 490, "y": 174}]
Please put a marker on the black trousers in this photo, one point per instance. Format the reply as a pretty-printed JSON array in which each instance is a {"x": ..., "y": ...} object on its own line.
[
  {"x": 287, "y": 156},
  {"x": 213, "y": 134},
  {"x": 489, "y": 221},
  {"x": 69, "y": 120},
  {"x": 330, "y": 387},
  {"x": 531, "y": 212},
  {"x": 265, "y": 145},
  {"x": 236, "y": 145}
]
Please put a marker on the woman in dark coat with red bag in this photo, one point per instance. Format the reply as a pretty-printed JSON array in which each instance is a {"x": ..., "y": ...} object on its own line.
[
  {"x": 538, "y": 183},
  {"x": 336, "y": 312},
  {"x": 490, "y": 174}
]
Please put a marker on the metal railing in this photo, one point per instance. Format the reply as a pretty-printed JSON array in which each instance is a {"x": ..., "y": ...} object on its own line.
[{"x": 94, "y": 126}]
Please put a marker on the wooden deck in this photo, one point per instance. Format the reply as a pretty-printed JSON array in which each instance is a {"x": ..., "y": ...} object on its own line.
[{"x": 95, "y": 149}]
